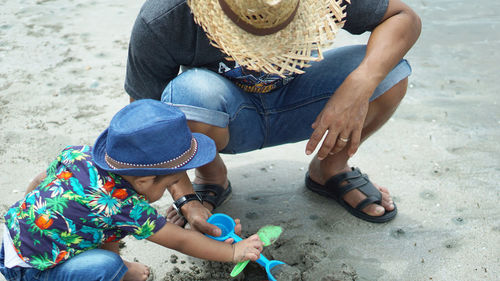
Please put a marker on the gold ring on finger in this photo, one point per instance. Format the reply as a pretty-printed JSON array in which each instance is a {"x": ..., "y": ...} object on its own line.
[{"x": 344, "y": 139}]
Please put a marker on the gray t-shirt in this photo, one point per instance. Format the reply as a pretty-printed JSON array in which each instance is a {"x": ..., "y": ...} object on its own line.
[{"x": 165, "y": 37}]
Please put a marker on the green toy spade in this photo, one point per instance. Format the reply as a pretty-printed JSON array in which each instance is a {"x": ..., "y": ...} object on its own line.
[{"x": 267, "y": 234}]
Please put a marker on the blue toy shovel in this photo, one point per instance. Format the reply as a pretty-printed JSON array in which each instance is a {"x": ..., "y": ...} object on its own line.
[{"x": 227, "y": 224}]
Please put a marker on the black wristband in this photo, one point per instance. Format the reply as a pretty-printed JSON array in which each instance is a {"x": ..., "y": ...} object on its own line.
[{"x": 183, "y": 200}]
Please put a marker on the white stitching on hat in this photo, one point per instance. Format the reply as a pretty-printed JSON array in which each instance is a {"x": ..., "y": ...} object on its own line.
[{"x": 193, "y": 149}]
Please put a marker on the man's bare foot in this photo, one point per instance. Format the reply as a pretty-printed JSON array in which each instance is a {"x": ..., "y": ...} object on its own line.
[
  {"x": 354, "y": 197},
  {"x": 136, "y": 271}
]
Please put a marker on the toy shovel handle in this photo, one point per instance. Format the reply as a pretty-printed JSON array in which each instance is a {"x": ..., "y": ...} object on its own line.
[
  {"x": 270, "y": 265},
  {"x": 238, "y": 268},
  {"x": 235, "y": 237}
]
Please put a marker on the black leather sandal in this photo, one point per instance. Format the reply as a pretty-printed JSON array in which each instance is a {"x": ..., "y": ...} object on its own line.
[
  {"x": 214, "y": 194},
  {"x": 337, "y": 186}
]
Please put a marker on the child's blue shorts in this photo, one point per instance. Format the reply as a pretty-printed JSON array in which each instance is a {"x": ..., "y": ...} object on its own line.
[{"x": 102, "y": 265}]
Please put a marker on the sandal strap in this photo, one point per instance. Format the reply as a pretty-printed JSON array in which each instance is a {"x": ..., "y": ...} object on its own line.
[
  {"x": 338, "y": 179},
  {"x": 367, "y": 201},
  {"x": 342, "y": 183},
  {"x": 370, "y": 190},
  {"x": 205, "y": 190}
]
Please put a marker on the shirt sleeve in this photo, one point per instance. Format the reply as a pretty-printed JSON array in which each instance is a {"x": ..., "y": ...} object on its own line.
[
  {"x": 149, "y": 65},
  {"x": 364, "y": 15},
  {"x": 138, "y": 218}
]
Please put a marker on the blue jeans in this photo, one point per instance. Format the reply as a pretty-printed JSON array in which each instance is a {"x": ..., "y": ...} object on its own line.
[
  {"x": 92, "y": 265},
  {"x": 282, "y": 116}
]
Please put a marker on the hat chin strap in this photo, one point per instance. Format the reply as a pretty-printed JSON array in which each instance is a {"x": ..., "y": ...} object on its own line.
[
  {"x": 175, "y": 163},
  {"x": 252, "y": 29}
]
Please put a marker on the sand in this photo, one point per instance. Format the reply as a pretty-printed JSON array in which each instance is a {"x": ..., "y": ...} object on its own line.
[{"x": 62, "y": 66}]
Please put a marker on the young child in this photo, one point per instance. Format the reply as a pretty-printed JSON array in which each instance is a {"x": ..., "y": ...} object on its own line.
[{"x": 67, "y": 225}]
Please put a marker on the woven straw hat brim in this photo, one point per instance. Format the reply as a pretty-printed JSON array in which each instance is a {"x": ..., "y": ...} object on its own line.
[{"x": 286, "y": 51}]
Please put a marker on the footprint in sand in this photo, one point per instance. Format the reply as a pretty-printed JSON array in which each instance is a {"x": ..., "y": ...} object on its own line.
[
  {"x": 428, "y": 195},
  {"x": 458, "y": 220},
  {"x": 451, "y": 244},
  {"x": 252, "y": 215}
]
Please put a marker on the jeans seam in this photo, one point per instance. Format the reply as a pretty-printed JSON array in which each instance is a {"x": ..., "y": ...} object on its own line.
[
  {"x": 267, "y": 131},
  {"x": 266, "y": 122},
  {"x": 118, "y": 271},
  {"x": 167, "y": 92},
  {"x": 298, "y": 105},
  {"x": 240, "y": 109}
]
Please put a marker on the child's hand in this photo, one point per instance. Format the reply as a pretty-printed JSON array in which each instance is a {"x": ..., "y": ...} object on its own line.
[{"x": 247, "y": 249}]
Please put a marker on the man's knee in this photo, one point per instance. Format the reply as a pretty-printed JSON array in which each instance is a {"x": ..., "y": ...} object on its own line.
[
  {"x": 198, "y": 88},
  {"x": 399, "y": 90},
  {"x": 394, "y": 95},
  {"x": 218, "y": 134}
]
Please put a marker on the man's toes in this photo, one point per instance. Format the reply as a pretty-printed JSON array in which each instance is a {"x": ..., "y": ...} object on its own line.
[
  {"x": 386, "y": 196},
  {"x": 374, "y": 210},
  {"x": 388, "y": 204},
  {"x": 382, "y": 189}
]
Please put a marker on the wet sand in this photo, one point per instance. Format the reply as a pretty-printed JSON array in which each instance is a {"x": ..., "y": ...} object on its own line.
[{"x": 62, "y": 66}]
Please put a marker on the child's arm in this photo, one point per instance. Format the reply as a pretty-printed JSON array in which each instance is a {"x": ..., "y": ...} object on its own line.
[
  {"x": 198, "y": 245},
  {"x": 35, "y": 182}
]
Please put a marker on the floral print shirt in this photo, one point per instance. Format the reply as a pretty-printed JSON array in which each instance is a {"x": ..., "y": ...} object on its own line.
[{"x": 76, "y": 208}]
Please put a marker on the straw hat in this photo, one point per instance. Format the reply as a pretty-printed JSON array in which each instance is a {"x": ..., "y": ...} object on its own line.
[{"x": 274, "y": 36}]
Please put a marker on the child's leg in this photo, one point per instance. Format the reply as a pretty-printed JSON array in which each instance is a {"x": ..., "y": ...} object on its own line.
[
  {"x": 35, "y": 182},
  {"x": 100, "y": 264},
  {"x": 136, "y": 271}
]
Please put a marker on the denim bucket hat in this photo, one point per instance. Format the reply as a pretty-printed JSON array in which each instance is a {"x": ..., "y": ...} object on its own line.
[{"x": 148, "y": 137}]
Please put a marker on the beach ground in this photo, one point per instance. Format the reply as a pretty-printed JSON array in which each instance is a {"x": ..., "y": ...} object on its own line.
[{"x": 62, "y": 67}]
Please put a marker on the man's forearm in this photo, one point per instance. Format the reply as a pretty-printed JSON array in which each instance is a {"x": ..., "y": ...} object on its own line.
[
  {"x": 390, "y": 41},
  {"x": 181, "y": 188}
]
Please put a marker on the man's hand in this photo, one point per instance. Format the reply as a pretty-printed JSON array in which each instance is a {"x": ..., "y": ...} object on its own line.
[
  {"x": 195, "y": 212},
  {"x": 342, "y": 118},
  {"x": 197, "y": 215}
]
